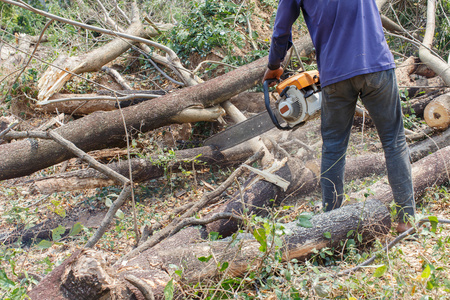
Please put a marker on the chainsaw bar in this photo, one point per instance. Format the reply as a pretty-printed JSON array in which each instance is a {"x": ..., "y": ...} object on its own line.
[{"x": 241, "y": 132}]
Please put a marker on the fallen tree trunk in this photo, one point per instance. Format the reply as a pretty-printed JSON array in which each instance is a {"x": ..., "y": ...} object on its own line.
[
  {"x": 437, "y": 112},
  {"x": 432, "y": 170},
  {"x": 105, "y": 129},
  {"x": 152, "y": 265},
  {"x": 70, "y": 281},
  {"x": 144, "y": 170}
]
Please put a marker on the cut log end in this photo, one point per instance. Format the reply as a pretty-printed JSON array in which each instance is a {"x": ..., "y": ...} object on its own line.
[{"x": 437, "y": 112}]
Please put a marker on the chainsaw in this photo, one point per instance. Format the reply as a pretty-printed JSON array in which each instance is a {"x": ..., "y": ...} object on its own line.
[{"x": 299, "y": 101}]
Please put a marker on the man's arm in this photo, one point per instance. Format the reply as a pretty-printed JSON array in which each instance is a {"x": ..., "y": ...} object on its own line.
[{"x": 287, "y": 12}]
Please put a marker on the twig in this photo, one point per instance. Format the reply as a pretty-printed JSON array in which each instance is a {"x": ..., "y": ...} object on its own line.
[
  {"x": 27, "y": 134},
  {"x": 109, "y": 216},
  {"x": 133, "y": 201},
  {"x": 300, "y": 143},
  {"x": 298, "y": 57},
  {"x": 152, "y": 24},
  {"x": 148, "y": 57},
  {"x": 86, "y": 157},
  {"x": 250, "y": 33},
  {"x": 117, "y": 77},
  {"x": 278, "y": 148},
  {"x": 412, "y": 135},
  {"x": 415, "y": 43},
  {"x": 148, "y": 231},
  {"x": 10, "y": 127},
  {"x": 109, "y": 98},
  {"x": 38, "y": 201},
  {"x": 195, "y": 221},
  {"x": 142, "y": 286},
  {"x": 212, "y": 62}
]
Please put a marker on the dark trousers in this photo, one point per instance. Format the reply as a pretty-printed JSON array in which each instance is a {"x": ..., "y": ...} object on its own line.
[{"x": 379, "y": 94}]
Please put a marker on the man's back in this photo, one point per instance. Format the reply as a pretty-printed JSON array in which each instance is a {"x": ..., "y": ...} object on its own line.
[{"x": 347, "y": 35}]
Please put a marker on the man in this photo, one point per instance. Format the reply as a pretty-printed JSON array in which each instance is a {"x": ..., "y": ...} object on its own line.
[{"x": 354, "y": 61}]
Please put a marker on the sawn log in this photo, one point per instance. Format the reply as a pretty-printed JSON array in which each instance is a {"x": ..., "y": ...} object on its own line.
[{"x": 105, "y": 129}]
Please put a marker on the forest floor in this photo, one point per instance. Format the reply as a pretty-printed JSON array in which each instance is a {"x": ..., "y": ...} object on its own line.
[{"x": 416, "y": 269}]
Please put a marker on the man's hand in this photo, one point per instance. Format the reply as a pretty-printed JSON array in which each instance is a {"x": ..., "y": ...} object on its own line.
[{"x": 273, "y": 74}]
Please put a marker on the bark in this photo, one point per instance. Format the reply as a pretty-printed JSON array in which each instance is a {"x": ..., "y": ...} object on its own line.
[
  {"x": 85, "y": 107},
  {"x": 105, "y": 129},
  {"x": 403, "y": 71},
  {"x": 437, "y": 112}
]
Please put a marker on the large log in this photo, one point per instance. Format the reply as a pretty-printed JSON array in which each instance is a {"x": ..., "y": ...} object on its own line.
[
  {"x": 143, "y": 170},
  {"x": 89, "y": 276},
  {"x": 105, "y": 129}
]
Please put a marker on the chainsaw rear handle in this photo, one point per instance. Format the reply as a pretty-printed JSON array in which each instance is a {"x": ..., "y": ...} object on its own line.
[{"x": 269, "y": 109}]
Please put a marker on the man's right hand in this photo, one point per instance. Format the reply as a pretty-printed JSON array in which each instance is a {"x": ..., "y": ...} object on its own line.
[{"x": 273, "y": 74}]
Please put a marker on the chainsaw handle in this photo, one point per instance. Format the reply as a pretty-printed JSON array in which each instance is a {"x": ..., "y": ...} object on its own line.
[{"x": 268, "y": 108}]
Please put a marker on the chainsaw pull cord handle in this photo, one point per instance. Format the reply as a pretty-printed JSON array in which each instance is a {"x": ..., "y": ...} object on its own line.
[{"x": 268, "y": 108}]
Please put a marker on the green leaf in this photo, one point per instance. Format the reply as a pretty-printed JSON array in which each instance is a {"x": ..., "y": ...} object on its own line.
[
  {"x": 304, "y": 220},
  {"x": 76, "y": 229},
  {"x": 44, "y": 244},
  {"x": 426, "y": 272},
  {"x": 58, "y": 232},
  {"x": 327, "y": 235},
  {"x": 5, "y": 282},
  {"x": 224, "y": 266},
  {"x": 213, "y": 236},
  {"x": 260, "y": 236},
  {"x": 60, "y": 211},
  {"x": 433, "y": 221},
  {"x": 349, "y": 233},
  {"x": 380, "y": 271},
  {"x": 204, "y": 258},
  {"x": 304, "y": 223},
  {"x": 168, "y": 290},
  {"x": 120, "y": 214}
]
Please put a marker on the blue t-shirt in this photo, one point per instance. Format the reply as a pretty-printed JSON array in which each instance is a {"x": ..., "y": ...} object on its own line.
[{"x": 347, "y": 34}]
